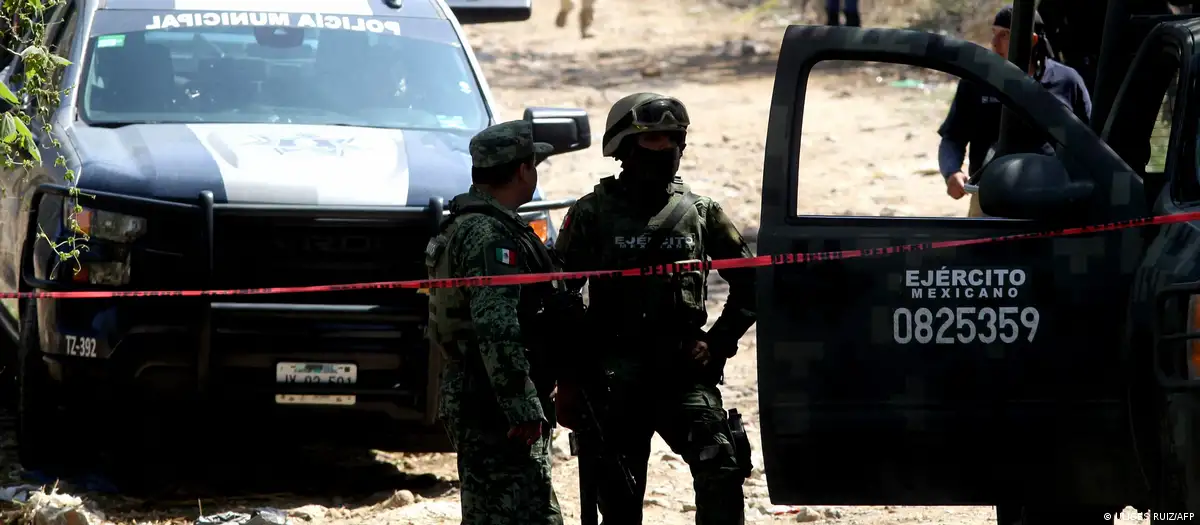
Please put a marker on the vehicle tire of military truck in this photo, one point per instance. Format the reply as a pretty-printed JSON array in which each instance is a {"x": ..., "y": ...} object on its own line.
[
  {"x": 1179, "y": 491},
  {"x": 1029, "y": 515},
  {"x": 8, "y": 373},
  {"x": 10, "y": 328},
  {"x": 41, "y": 438}
]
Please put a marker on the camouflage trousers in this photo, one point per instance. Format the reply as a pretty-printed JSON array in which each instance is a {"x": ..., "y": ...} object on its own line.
[
  {"x": 503, "y": 481},
  {"x": 692, "y": 420},
  {"x": 567, "y": 5},
  {"x": 586, "y": 15}
]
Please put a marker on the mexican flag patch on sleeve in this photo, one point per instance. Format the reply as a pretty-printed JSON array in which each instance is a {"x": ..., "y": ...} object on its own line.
[{"x": 506, "y": 256}]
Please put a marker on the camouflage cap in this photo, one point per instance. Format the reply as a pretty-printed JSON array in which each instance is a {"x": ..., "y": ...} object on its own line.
[{"x": 506, "y": 142}]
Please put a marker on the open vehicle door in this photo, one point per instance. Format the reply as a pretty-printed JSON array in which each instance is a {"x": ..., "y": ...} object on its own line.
[{"x": 982, "y": 374}]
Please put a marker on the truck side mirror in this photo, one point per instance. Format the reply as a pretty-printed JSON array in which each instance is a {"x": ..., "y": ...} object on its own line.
[
  {"x": 567, "y": 129},
  {"x": 1031, "y": 186}
]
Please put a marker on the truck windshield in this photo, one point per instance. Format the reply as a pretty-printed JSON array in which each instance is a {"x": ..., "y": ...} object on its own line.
[{"x": 246, "y": 67}]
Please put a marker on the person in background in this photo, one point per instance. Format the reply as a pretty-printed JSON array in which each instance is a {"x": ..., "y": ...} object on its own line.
[
  {"x": 974, "y": 117},
  {"x": 851, "y": 9},
  {"x": 586, "y": 14}
]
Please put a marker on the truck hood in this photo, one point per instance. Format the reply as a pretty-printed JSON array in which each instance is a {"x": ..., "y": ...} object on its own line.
[{"x": 275, "y": 163}]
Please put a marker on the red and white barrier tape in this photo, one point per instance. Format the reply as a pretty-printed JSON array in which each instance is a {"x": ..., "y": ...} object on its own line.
[{"x": 720, "y": 264}]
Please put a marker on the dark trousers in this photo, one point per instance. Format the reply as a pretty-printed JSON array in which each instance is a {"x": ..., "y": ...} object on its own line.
[
  {"x": 690, "y": 417},
  {"x": 851, "y": 9}
]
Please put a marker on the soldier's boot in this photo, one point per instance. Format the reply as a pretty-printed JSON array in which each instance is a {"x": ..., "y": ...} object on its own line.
[
  {"x": 832, "y": 18},
  {"x": 852, "y": 19},
  {"x": 585, "y": 22},
  {"x": 563, "y": 11}
]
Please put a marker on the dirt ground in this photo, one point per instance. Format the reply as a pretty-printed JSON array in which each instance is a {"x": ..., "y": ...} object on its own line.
[{"x": 870, "y": 149}]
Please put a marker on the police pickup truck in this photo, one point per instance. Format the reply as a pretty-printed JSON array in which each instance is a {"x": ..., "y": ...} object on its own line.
[
  {"x": 248, "y": 144},
  {"x": 1056, "y": 378}
]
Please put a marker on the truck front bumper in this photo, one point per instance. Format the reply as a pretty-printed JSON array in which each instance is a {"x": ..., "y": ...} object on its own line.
[{"x": 243, "y": 350}]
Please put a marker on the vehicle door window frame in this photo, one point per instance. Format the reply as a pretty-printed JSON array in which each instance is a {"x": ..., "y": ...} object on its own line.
[
  {"x": 65, "y": 27},
  {"x": 1165, "y": 50},
  {"x": 1185, "y": 187},
  {"x": 1169, "y": 102},
  {"x": 1087, "y": 158},
  {"x": 1135, "y": 114}
]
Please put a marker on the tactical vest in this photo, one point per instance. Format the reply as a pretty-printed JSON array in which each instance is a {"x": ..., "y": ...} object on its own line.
[
  {"x": 450, "y": 325},
  {"x": 667, "y": 305}
]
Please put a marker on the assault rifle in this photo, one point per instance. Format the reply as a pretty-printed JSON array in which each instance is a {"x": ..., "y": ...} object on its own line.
[
  {"x": 595, "y": 457},
  {"x": 565, "y": 317}
]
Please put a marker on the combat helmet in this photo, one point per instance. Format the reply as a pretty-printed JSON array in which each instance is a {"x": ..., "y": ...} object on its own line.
[{"x": 643, "y": 113}]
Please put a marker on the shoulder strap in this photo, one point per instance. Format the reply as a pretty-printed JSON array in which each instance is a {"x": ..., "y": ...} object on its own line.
[
  {"x": 662, "y": 224},
  {"x": 520, "y": 231}
]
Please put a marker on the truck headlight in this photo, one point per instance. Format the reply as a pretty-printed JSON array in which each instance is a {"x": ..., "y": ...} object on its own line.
[
  {"x": 541, "y": 227},
  {"x": 108, "y": 273},
  {"x": 105, "y": 225}
]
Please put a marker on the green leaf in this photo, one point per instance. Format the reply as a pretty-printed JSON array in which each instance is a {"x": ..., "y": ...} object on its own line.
[
  {"x": 8, "y": 130},
  {"x": 30, "y": 144},
  {"x": 32, "y": 147},
  {"x": 22, "y": 130},
  {"x": 32, "y": 51},
  {"x": 60, "y": 60},
  {"x": 8, "y": 95}
]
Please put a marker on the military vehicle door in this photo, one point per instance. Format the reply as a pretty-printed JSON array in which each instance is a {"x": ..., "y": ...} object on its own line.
[
  {"x": 1156, "y": 108},
  {"x": 969, "y": 375}
]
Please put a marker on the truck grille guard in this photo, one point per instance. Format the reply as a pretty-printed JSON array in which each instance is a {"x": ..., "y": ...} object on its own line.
[
  {"x": 200, "y": 252},
  {"x": 1170, "y": 347}
]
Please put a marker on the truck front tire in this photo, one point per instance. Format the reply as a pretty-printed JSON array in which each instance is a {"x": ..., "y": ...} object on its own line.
[
  {"x": 39, "y": 424},
  {"x": 1177, "y": 491},
  {"x": 1072, "y": 514}
]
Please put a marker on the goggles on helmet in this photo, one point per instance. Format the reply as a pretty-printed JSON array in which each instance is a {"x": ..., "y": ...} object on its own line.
[{"x": 660, "y": 113}]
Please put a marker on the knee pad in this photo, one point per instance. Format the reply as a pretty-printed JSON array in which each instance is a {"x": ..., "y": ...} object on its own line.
[{"x": 736, "y": 443}]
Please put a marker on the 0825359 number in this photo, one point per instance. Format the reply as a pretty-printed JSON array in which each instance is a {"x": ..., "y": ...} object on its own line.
[{"x": 964, "y": 324}]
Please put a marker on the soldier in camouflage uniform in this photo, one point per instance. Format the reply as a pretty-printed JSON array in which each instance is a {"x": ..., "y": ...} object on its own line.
[
  {"x": 662, "y": 368},
  {"x": 495, "y": 406},
  {"x": 585, "y": 15}
]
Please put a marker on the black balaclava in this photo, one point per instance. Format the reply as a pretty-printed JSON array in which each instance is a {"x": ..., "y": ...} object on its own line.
[{"x": 647, "y": 171}]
